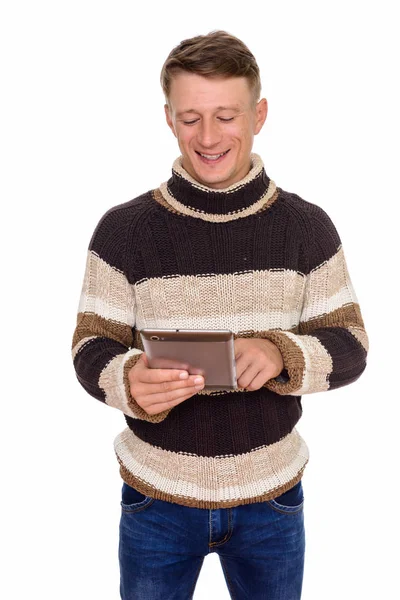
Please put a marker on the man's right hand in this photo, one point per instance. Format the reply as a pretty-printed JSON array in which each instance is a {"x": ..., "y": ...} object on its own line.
[{"x": 156, "y": 390}]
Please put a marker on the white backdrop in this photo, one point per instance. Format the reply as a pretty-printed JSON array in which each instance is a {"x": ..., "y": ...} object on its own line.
[{"x": 82, "y": 129}]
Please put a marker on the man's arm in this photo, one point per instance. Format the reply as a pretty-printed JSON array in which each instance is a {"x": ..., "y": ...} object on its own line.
[
  {"x": 106, "y": 364},
  {"x": 102, "y": 342},
  {"x": 330, "y": 347}
]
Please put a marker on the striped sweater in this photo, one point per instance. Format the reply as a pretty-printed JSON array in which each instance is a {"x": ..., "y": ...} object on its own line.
[{"x": 251, "y": 258}]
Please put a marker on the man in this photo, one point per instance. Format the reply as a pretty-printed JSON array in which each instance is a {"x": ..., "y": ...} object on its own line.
[{"x": 218, "y": 246}]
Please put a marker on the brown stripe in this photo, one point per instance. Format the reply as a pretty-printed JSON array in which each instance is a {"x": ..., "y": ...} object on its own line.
[
  {"x": 149, "y": 490},
  {"x": 341, "y": 317},
  {"x": 158, "y": 197},
  {"x": 89, "y": 324}
]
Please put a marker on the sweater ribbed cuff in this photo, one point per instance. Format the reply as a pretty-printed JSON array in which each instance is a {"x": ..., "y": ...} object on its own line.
[
  {"x": 294, "y": 364},
  {"x": 137, "y": 410}
]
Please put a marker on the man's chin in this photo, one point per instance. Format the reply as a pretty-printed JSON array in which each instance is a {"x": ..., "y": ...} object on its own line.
[
  {"x": 213, "y": 182},
  {"x": 213, "y": 178}
]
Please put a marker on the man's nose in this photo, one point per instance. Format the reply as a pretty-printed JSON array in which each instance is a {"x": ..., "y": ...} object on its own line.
[{"x": 209, "y": 133}]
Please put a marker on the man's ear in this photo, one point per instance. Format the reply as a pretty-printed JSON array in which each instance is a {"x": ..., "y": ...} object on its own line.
[
  {"x": 261, "y": 114},
  {"x": 169, "y": 119}
]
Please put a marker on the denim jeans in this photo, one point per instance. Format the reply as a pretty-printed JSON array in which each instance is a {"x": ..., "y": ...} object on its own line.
[{"x": 162, "y": 547}]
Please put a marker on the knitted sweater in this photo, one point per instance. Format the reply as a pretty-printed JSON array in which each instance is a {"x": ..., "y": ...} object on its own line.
[{"x": 251, "y": 258}]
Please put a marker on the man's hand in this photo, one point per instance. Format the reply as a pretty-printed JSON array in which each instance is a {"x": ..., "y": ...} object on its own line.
[
  {"x": 257, "y": 361},
  {"x": 156, "y": 390}
]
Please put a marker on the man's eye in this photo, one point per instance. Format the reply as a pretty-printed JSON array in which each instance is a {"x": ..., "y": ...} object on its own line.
[
  {"x": 225, "y": 120},
  {"x": 190, "y": 122}
]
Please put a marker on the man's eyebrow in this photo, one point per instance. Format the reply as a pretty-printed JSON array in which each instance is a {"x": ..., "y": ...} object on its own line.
[
  {"x": 184, "y": 112},
  {"x": 235, "y": 107}
]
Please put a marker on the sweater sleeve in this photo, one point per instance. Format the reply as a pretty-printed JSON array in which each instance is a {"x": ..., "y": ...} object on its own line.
[
  {"x": 329, "y": 348},
  {"x": 102, "y": 346}
]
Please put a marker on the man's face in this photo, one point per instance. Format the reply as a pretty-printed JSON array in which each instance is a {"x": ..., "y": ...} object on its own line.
[{"x": 214, "y": 121}]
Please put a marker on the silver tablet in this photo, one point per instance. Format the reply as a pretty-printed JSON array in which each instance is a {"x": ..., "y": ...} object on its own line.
[{"x": 207, "y": 352}]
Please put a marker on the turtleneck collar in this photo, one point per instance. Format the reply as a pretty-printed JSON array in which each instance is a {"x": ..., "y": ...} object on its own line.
[{"x": 183, "y": 194}]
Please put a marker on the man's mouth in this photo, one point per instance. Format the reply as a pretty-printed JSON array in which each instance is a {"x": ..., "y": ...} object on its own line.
[{"x": 212, "y": 157}]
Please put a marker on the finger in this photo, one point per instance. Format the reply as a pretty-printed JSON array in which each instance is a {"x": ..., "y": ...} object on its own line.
[
  {"x": 162, "y": 375},
  {"x": 194, "y": 371},
  {"x": 165, "y": 387},
  {"x": 258, "y": 382},
  {"x": 160, "y": 363},
  {"x": 242, "y": 363},
  {"x": 163, "y": 401},
  {"x": 158, "y": 408},
  {"x": 167, "y": 363},
  {"x": 238, "y": 347},
  {"x": 247, "y": 377},
  {"x": 144, "y": 360}
]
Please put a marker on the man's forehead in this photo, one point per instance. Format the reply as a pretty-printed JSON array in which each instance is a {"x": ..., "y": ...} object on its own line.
[{"x": 190, "y": 91}]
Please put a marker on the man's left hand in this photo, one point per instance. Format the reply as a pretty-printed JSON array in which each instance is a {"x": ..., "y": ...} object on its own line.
[{"x": 257, "y": 361}]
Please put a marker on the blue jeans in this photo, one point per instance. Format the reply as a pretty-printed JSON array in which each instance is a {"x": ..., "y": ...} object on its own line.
[{"x": 162, "y": 546}]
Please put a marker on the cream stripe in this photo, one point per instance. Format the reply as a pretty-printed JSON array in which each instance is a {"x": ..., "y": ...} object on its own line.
[
  {"x": 318, "y": 364},
  {"x": 111, "y": 380},
  {"x": 324, "y": 306},
  {"x": 258, "y": 300},
  {"x": 328, "y": 287},
  {"x": 214, "y": 479},
  {"x": 106, "y": 292},
  {"x": 218, "y": 218},
  {"x": 79, "y": 345},
  {"x": 256, "y": 167}
]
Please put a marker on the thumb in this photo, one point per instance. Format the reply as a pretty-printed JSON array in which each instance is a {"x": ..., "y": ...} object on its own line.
[{"x": 143, "y": 360}]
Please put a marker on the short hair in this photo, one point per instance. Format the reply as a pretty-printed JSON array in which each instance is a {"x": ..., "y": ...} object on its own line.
[{"x": 217, "y": 54}]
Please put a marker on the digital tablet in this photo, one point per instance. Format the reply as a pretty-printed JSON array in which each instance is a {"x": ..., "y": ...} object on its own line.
[{"x": 207, "y": 352}]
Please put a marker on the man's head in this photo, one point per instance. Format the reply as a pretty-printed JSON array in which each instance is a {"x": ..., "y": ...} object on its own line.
[{"x": 212, "y": 88}]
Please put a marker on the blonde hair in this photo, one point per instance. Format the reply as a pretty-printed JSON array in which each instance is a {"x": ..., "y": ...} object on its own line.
[{"x": 217, "y": 54}]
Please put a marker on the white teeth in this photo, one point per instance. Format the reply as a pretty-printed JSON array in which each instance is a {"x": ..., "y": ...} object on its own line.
[{"x": 212, "y": 156}]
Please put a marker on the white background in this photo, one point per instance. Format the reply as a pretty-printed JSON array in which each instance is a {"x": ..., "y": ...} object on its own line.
[{"x": 82, "y": 129}]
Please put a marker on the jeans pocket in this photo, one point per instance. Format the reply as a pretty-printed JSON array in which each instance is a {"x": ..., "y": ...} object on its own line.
[
  {"x": 290, "y": 501},
  {"x": 133, "y": 500}
]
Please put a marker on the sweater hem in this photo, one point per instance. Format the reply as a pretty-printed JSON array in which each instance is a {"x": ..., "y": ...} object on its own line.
[{"x": 212, "y": 482}]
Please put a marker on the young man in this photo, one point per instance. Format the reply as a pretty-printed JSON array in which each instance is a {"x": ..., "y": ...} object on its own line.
[{"x": 218, "y": 246}]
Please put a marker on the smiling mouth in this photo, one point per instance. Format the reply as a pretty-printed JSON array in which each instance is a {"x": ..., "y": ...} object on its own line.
[{"x": 212, "y": 157}]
